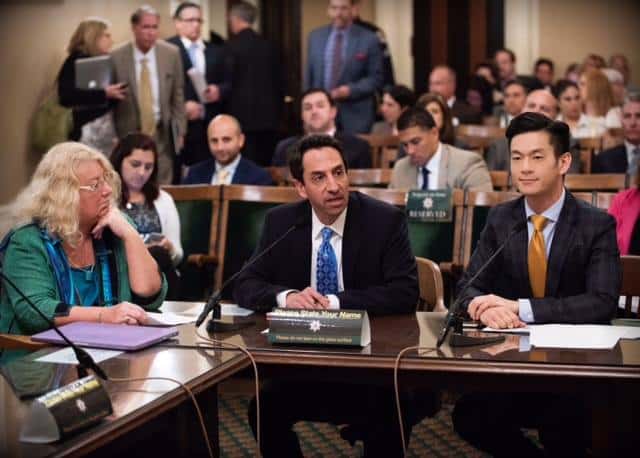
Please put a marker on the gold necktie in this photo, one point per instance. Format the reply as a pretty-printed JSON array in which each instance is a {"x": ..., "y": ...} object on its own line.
[
  {"x": 537, "y": 258},
  {"x": 145, "y": 100},
  {"x": 223, "y": 176}
]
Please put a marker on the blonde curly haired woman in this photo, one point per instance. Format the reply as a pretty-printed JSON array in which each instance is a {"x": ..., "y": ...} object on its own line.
[{"x": 72, "y": 252}]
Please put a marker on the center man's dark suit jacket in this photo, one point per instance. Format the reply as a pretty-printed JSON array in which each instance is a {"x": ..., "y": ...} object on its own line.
[
  {"x": 247, "y": 172},
  {"x": 379, "y": 270},
  {"x": 613, "y": 160},
  {"x": 583, "y": 269},
  {"x": 356, "y": 150}
]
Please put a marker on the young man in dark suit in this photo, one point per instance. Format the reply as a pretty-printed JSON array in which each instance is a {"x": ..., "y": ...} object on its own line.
[
  {"x": 227, "y": 166},
  {"x": 210, "y": 61},
  {"x": 319, "y": 113},
  {"x": 626, "y": 157},
  {"x": 365, "y": 248},
  {"x": 561, "y": 267}
]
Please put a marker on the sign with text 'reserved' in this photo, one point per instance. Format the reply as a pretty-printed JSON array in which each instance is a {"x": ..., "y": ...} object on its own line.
[{"x": 430, "y": 205}]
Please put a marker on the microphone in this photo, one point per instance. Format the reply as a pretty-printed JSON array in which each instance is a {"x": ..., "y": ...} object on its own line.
[
  {"x": 85, "y": 361},
  {"x": 454, "y": 318},
  {"x": 213, "y": 304}
]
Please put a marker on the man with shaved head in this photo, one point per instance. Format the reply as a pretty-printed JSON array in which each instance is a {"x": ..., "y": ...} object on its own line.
[
  {"x": 538, "y": 101},
  {"x": 227, "y": 166},
  {"x": 442, "y": 81}
]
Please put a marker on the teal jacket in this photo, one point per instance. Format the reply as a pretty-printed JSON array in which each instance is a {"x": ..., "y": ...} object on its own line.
[{"x": 27, "y": 264}]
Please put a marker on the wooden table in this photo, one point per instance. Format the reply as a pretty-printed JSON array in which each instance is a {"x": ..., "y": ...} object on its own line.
[
  {"x": 610, "y": 379},
  {"x": 149, "y": 417}
]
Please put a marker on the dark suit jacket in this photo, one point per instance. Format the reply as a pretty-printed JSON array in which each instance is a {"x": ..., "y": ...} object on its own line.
[
  {"x": 217, "y": 71},
  {"x": 356, "y": 151},
  {"x": 379, "y": 270},
  {"x": 258, "y": 82},
  {"x": 583, "y": 269},
  {"x": 613, "y": 160},
  {"x": 246, "y": 173},
  {"x": 465, "y": 113}
]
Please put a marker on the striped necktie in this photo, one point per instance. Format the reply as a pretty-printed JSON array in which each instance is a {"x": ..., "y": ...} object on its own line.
[{"x": 145, "y": 100}]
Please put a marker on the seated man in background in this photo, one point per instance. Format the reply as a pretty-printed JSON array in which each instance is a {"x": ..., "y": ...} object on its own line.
[
  {"x": 538, "y": 101},
  {"x": 319, "y": 118},
  {"x": 623, "y": 158},
  {"x": 430, "y": 164},
  {"x": 227, "y": 166},
  {"x": 514, "y": 98},
  {"x": 564, "y": 268},
  {"x": 348, "y": 251},
  {"x": 442, "y": 81}
]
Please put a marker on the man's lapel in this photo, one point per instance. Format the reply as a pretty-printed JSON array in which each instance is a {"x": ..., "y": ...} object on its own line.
[
  {"x": 301, "y": 247},
  {"x": 131, "y": 74},
  {"x": 443, "y": 171},
  {"x": 351, "y": 239},
  {"x": 562, "y": 238},
  {"x": 352, "y": 45},
  {"x": 520, "y": 248},
  {"x": 162, "y": 66}
]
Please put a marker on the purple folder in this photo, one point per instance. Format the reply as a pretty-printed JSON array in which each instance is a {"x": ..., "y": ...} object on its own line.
[{"x": 105, "y": 335}]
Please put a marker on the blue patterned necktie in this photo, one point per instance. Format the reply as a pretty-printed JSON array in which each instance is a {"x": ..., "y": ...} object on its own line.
[
  {"x": 326, "y": 266},
  {"x": 425, "y": 178}
]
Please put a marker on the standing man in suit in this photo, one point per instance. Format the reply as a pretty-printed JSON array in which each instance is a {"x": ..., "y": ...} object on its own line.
[
  {"x": 154, "y": 103},
  {"x": 626, "y": 157},
  {"x": 430, "y": 164},
  {"x": 564, "y": 268},
  {"x": 257, "y": 95},
  {"x": 226, "y": 166},
  {"x": 442, "y": 81},
  {"x": 319, "y": 118},
  {"x": 345, "y": 59},
  {"x": 208, "y": 61},
  {"x": 348, "y": 251}
]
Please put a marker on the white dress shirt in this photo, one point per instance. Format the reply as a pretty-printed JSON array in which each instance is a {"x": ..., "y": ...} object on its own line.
[
  {"x": 199, "y": 64},
  {"x": 434, "y": 169},
  {"x": 153, "y": 73},
  {"x": 224, "y": 173},
  {"x": 316, "y": 240}
]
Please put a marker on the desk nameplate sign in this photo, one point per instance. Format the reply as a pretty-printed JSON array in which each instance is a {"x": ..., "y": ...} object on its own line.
[
  {"x": 430, "y": 205},
  {"x": 324, "y": 327},
  {"x": 64, "y": 411}
]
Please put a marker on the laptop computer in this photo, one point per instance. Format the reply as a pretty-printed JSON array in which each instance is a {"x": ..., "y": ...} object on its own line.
[
  {"x": 93, "y": 72},
  {"x": 106, "y": 335}
]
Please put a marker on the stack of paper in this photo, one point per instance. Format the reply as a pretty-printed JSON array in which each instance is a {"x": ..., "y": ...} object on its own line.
[{"x": 587, "y": 336}]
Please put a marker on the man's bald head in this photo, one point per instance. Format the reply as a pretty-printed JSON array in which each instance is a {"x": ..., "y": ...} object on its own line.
[
  {"x": 543, "y": 102},
  {"x": 442, "y": 80},
  {"x": 225, "y": 138}
]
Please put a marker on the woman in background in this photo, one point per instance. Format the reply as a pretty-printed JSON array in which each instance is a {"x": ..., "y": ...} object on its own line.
[
  {"x": 72, "y": 252},
  {"x": 597, "y": 102},
  {"x": 152, "y": 210},
  {"x": 395, "y": 99},
  {"x": 570, "y": 104},
  {"x": 438, "y": 108},
  {"x": 625, "y": 208},
  {"x": 91, "y": 108}
]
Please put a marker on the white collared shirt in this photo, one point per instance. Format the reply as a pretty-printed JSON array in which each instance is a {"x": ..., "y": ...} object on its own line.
[
  {"x": 224, "y": 173},
  {"x": 316, "y": 240},
  {"x": 434, "y": 169},
  {"x": 552, "y": 214},
  {"x": 199, "y": 64},
  {"x": 153, "y": 72}
]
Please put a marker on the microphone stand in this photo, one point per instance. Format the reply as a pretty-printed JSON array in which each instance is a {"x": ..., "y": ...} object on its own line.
[
  {"x": 85, "y": 361},
  {"x": 213, "y": 304},
  {"x": 455, "y": 317}
]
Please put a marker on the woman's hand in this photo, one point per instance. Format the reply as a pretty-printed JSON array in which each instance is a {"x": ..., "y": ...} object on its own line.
[
  {"x": 116, "y": 91},
  {"x": 123, "y": 313},
  {"x": 114, "y": 220}
]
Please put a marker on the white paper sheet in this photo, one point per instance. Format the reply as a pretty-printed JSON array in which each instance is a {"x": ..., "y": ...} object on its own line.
[
  {"x": 168, "y": 319},
  {"x": 524, "y": 331},
  {"x": 67, "y": 356},
  {"x": 235, "y": 310},
  {"x": 586, "y": 336}
]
